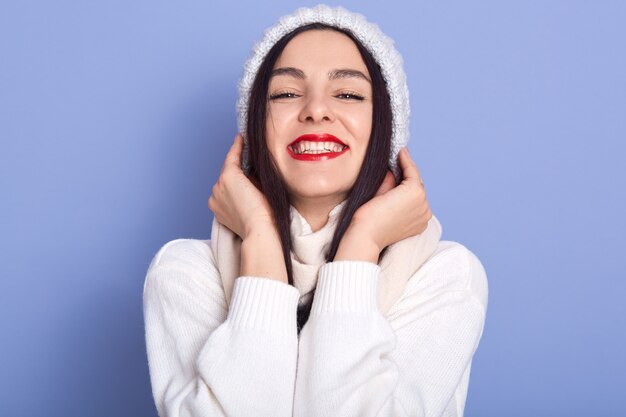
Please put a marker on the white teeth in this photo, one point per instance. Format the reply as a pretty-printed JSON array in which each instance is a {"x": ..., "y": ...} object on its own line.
[{"x": 316, "y": 147}]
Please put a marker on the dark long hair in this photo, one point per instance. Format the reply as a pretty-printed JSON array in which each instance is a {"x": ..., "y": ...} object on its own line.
[{"x": 264, "y": 172}]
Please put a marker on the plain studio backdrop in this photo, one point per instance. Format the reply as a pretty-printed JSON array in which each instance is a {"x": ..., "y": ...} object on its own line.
[{"x": 115, "y": 117}]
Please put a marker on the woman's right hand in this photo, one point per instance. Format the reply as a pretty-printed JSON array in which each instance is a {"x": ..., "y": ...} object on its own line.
[{"x": 236, "y": 202}]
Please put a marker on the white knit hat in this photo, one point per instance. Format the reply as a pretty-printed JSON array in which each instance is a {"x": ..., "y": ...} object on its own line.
[{"x": 373, "y": 39}]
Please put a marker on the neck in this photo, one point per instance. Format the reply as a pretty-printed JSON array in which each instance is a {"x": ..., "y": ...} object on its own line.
[{"x": 315, "y": 210}]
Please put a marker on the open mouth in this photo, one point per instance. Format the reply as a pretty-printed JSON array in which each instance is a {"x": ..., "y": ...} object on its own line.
[
  {"x": 318, "y": 146},
  {"x": 306, "y": 148}
]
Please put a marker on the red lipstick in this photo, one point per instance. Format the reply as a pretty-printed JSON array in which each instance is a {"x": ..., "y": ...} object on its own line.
[{"x": 316, "y": 137}]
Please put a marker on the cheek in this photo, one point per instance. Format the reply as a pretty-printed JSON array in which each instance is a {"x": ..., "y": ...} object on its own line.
[
  {"x": 277, "y": 127},
  {"x": 279, "y": 117},
  {"x": 273, "y": 123},
  {"x": 360, "y": 123}
]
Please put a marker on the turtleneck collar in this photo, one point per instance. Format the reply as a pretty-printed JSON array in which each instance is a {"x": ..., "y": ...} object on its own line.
[
  {"x": 300, "y": 227},
  {"x": 309, "y": 248}
]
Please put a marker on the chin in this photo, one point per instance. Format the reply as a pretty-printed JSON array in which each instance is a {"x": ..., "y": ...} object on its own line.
[
  {"x": 316, "y": 182},
  {"x": 317, "y": 189}
]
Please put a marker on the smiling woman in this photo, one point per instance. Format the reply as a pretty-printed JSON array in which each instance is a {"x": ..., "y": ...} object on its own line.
[
  {"x": 320, "y": 80},
  {"x": 325, "y": 289}
]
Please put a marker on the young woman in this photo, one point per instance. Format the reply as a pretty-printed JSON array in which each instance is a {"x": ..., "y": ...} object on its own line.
[{"x": 324, "y": 289}]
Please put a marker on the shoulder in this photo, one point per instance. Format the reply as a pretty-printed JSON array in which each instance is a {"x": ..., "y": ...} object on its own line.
[
  {"x": 182, "y": 257},
  {"x": 183, "y": 251},
  {"x": 454, "y": 267}
]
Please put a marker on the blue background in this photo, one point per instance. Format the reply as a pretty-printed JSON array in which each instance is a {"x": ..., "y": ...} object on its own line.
[{"x": 115, "y": 118}]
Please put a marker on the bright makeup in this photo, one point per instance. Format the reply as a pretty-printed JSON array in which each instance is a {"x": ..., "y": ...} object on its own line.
[{"x": 317, "y": 137}]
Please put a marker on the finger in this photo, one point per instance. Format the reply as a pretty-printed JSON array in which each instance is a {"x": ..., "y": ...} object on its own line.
[
  {"x": 409, "y": 169},
  {"x": 233, "y": 157}
]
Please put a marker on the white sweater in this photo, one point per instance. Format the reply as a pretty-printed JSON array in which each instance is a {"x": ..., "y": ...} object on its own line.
[{"x": 348, "y": 360}]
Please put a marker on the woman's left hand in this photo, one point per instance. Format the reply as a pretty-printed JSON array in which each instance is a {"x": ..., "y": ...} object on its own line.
[{"x": 395, "y": 213}]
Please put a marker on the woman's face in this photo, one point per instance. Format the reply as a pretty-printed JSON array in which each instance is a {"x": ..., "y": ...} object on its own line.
[{"x": 320, "y": 87}]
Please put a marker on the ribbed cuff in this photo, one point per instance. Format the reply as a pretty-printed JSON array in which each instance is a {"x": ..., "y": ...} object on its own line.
[
  {"x": 264, "y": 303},
  {"x": 347, "y": 287}
]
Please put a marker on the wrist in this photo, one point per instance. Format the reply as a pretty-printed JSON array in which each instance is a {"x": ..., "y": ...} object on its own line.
[
  {"x": 262, "y": 255},
  {"x": 357, "y": 246},
  {"x": 260, "y": 230}
]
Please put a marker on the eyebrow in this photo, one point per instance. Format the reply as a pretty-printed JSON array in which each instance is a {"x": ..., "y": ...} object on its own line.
[{"x": 332, "y": 75}]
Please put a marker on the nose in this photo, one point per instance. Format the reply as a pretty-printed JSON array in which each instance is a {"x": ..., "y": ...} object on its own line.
[{"x": 316, "y": 109}]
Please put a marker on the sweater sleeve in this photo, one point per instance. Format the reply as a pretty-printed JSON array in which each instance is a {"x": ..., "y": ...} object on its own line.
[
  {"x": 209, "y": 360},
  {"x": 355, "y": 362}
]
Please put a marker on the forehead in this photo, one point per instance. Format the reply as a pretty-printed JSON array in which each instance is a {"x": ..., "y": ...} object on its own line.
[{"x": 321, "y": 49}]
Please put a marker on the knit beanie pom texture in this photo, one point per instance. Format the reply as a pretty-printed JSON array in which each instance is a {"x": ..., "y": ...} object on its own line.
[{"x": 373, "y": 39}]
